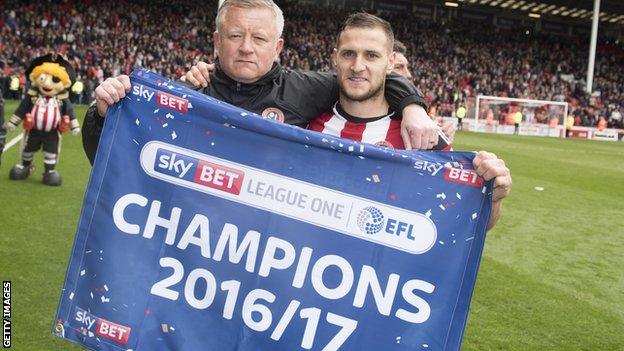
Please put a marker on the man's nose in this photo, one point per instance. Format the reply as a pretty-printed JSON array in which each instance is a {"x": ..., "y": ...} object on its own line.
[
  {"x": 246, "y": 46},
  {"x": 358, "y": 64}
]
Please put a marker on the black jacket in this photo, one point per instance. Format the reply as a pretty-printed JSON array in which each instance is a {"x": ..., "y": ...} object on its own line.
[{"x": 300, "y": 96}]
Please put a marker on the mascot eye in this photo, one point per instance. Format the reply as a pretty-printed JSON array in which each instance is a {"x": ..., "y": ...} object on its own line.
[{"x": 56, "y": 80}]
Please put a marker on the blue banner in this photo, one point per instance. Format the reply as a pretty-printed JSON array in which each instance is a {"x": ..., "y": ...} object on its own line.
[{"x": 205, "y": 227}]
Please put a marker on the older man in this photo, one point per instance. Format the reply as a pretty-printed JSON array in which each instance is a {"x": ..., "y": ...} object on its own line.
[
  {"x": 362, "y": 57},
  {"x": 248, "y": 42}
]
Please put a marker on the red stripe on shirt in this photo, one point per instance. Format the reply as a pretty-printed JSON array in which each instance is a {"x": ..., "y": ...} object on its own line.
[
  {"x": 318, "y": 124},
  {"x": 353, "y": 131}
]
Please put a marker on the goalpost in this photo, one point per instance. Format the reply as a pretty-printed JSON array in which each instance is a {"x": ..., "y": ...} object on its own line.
[{"x": 497, "y": 114}]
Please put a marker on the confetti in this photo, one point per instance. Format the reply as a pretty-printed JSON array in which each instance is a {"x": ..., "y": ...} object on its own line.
[
  {"x": 458, "y": 196},
  {"x": 105, "y": 287},
  {"x": 164, "y": 328},
  {"x": 351, "y": 148},
  {"x": 376, "y": 178},
  {"x": 474, "y": 215},
  {"x": 82, "y": 272},
  {"x": 441, "y": 196},
  {"x": 539, "y": 188},
  {"x": 156, "y": 110},
  {"x": 368, "y": 179},
  {"x": 104, "y": 299},
  {"x": 71, "y": 296},
  {"x": 174, "y": 135},
  {"x": 165, "y": 125},
  {"x": 441, "y": 242},
  {"x": 190, "y": 105},
  {"x": 137, "y": 121},
  {"x": 442, "y": 207},
  {"x": 472, "y": 237},
  {"x": 398, "y": 339},
  {"x": 428, "y": 213},
  {"x": 91, "y": 295}
]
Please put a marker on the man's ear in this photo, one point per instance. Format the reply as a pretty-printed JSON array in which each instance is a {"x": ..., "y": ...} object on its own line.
[
  {"x": 391, "y": 61},
  {"x": 216, "y": 39},
  {"x": 279, "y": 46}
]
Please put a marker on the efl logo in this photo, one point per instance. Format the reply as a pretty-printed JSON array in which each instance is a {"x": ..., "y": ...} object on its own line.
[
  {"x": 371, "y": 221},
  {"x": 199, "y": 171},
  {"x": 463, "y": 176},
  {"x": 103, "y": 328},
  {"x": 171, "y": 101}
]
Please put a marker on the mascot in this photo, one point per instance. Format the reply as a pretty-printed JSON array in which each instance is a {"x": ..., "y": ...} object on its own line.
[{"x": 46, "y": 112}]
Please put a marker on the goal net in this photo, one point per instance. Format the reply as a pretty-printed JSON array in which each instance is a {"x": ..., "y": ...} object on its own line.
[{"x": 496, "y": 114}]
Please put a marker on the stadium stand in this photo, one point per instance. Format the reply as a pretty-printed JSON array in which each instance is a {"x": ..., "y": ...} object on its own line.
[{"x": 452, "y": 61}]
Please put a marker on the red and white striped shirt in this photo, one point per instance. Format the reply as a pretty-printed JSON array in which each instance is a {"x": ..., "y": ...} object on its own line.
[
  {"x": 46, "y": 114},
  {"x": 381, "y": 131}
]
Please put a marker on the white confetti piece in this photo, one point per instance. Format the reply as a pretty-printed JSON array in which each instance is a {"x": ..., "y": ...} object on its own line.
[
  {"x": 368, "y": 179},
  {"x": 244, "y": 114},
  {"x": 539, "y": 188},
  {"x": 156, "y": 110},
  {"x": 88, "y": 251},
  {"x": 324, "y": 140},
  {"x": 351, "y": 148},
  {"x": 101, "y": 251},
  {"x": 212, "y": 144},
  {"x": 82, "y": 272},
  {"x": 458, "y": 196},
  {"x": 169, "y": 115},
  {"x": 341, "y": 144},
  {"x": 454, "y": 241},
  {"x": 184, "y": 96},
  {"x": 361, "y": 148},
  {"x": 190, "y": 105},
  {"x": 474, "y": 215},
  {"x": 71, "y": 296},
  {"x": 483, "y": 190},
  {"x": 425, "y": 345},
  {"x": 91, "y": 334},
  {"x": 91, "y": 295},
  {"x": 376, "y": 178},
  {"x": 306, "y": 146},
  {"x": 428, "y": 213},
  {"x": 171, "y": 328},
  {"x": 105, "y": 287},
  {"x": 164, "y": 327},
  {"x": 398, "y": 339},
  {"x": 104, "y": 299},
  {"x": 442, "y": 207},
  {"x": 137, "y": 122},
  {"x": 136, "y": 142},
  {"x": 174, "y": 135},
  {"x": 441, "y": 242},
  {"x": 472, "y": 237},
  {"x": 362, "y": 157},
  {"x": 165, "y": 125},
  {"x": 441, "y": 196}
]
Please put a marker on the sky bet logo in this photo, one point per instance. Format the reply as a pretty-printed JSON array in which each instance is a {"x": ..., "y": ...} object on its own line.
[
  {"x": 163, "y": 99},
  {"x": 103, "y": 328},
  {"x": 199, "y": 171}
]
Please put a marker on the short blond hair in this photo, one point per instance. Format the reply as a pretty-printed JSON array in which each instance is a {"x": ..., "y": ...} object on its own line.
[
  {"x": 252, "y": 4},
  {"x": 53, "y": 69}
]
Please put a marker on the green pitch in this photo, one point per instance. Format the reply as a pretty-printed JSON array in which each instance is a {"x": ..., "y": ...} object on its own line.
[{"x": 552, "y": 275}]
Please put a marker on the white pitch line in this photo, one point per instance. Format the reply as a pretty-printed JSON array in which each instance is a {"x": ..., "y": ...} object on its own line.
[{"x": 13, "y": 141}]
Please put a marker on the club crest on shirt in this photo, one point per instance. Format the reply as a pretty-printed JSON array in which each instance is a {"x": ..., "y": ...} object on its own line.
[
  {"x": 385, "y": 143},
  {"x": 273, "y": 113}
]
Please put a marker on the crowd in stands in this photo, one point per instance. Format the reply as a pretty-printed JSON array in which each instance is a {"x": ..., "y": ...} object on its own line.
[{"x": 452, "y": 61}]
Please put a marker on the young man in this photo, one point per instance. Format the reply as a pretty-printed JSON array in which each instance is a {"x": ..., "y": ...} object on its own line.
[
  {"x": 248, "y": 42},
  {"x": 362, "y": 58}
]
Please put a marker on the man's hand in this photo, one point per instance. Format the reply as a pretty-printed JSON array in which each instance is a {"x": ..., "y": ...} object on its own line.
[
  {"x": 417, "y": 129},
  {"x": 199, "y": 74},
  {"x": 488, "y": 166},
  {"x": 111, "y": 91}
]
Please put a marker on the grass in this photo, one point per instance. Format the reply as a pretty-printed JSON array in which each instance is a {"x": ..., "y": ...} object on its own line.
[{"x": 552, "y": 275}]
